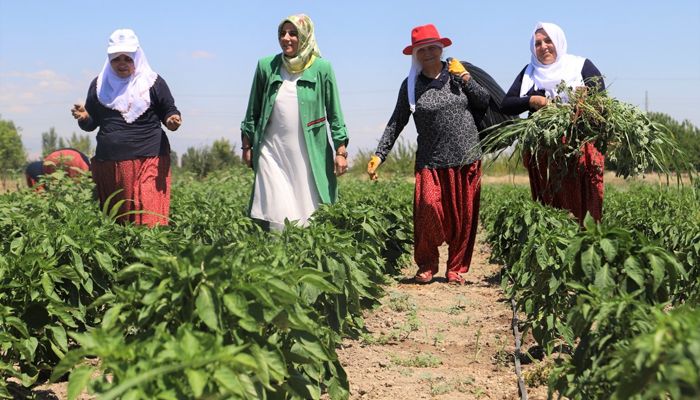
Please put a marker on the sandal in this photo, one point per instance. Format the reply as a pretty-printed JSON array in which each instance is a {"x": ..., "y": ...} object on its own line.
[
  {"x": 455, "y": 278},
  {"x": 423, "y": 277}
]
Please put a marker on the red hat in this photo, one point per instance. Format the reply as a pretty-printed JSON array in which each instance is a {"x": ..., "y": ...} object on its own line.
[{"x": 425, "y": 34}]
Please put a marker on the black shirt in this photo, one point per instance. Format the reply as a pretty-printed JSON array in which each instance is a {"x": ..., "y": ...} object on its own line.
[{"x": 118, "y": 140}]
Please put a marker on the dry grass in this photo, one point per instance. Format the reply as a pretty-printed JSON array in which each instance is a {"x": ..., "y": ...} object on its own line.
[{"x": 10, "y": 185}]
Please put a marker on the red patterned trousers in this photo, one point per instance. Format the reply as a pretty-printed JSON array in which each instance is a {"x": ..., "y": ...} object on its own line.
[
  {"x": 579, "y": 191},
  {"x": 446, "y": 209}
]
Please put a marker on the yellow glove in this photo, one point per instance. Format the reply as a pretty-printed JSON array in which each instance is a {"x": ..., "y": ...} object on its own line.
[
  {"x": 372, "y": 166},
  {"x": 456, "y": 68}
]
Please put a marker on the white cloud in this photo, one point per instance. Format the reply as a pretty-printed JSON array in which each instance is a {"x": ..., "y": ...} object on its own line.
[
  {"x": 46, "y": 79},
  {"x": 202, "y": 54}
]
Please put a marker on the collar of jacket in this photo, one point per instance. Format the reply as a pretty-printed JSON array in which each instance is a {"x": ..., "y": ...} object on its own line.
[
  {"x": 308, "y": 75},
  {"x": 438, "y": 82}
]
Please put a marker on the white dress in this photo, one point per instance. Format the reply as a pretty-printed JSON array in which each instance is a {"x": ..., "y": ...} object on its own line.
[{"x": 284, "y": 183}]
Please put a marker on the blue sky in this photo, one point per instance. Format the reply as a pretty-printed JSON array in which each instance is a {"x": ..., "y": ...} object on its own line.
[{"x": 207, "y": 51}]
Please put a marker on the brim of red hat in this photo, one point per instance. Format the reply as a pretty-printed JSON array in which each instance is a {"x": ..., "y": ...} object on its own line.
[{"x": 409, "y": 49}]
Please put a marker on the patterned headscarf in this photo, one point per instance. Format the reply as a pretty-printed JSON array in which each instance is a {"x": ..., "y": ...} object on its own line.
[{"x": 307, "y": 50}]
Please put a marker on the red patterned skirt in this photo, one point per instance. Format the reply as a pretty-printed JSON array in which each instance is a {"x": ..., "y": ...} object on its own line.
[
  {"x": 446, "y": 209},
  {"x": 144, "y": 184},
  {"x": 579, "y": 191}
]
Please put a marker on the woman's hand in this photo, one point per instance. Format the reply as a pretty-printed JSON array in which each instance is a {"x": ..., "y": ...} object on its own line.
[
  {"x": 173, "y": 122},
  {"x": 247, "y": 156},
  {"x": 79, "y": 112},
  {"x": 341, "y": 161},
  {"x": 537, "y": 102},
  {"x": 457, "y": 69},
  {"x": 372, "y": 166}
]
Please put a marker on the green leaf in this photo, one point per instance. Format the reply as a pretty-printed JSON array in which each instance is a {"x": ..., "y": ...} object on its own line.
[
  {"x": 236, "y": 304},
  {"x": 633, "y": 270},
  {"x": 206, "y": 308},
  {"x": 197, "y": 380},
  {"x": 603, "y": 280},
  {"x": 609, "y": 249},
  {"x": 79, "y": 378},
  {"x": 319, "y": 283},
  {"x": 657, "y": 271},
  {"x": 134, "y": 270},
  {"x": 59, "y": 337}
]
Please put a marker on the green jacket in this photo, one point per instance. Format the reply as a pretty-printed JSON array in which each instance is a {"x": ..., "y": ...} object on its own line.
[{"x": 319, "y": 107}]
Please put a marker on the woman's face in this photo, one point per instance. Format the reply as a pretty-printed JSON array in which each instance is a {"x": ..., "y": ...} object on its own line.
[
  {"x": 544, "y": 48},
  {"x": 123, "y": 66},
  {"x": 289, "y": 40},
  {"x": 429, "y": 55}
]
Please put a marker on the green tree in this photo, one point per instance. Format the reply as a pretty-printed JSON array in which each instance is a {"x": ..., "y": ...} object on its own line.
[
  {"x": 49, "y": 141},
  {"x": 197, "y": 161},
  {"x": 12, "y": 155},
  {"x": 687, "y": 134},
  {"x": 202, "y": 161},
  {"x": 81, "y": 143},
  {"x": 223, "y": 155}
]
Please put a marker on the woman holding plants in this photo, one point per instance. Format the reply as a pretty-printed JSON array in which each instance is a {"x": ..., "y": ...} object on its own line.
[
  {"x": 128, "y": 101},
  {"x": 293, "y": 103},
  {"x": 441, "y": 97},
  {"x": 579, "y": 187}
]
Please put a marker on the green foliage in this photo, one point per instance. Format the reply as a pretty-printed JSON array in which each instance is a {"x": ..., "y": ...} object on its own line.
[
  {"x": 210, "y": 306},
  {"x": 12, "y": 155},
  {"x": 665, "y": 361},
  {"x": 52, "y": 268},
  {"x": 202, "y": 161},
  {"x": 401, "y": 162},
  {"x": 557, "y": 133},
  {"x": 50, "y": 142},
  {"x": 687, "y": 135},
  {"x": 598, "y": 289}
]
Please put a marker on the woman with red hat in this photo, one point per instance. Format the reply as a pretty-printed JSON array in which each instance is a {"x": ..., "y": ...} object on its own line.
[
  {"x": 129, "y": 101},
  {"x": 441, "y": 97},
  {"x": 580, "y": 191}
]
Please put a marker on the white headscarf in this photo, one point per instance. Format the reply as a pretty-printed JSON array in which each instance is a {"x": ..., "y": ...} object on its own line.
[
  {"x": 416, "y": 69},
  {"x": 566, "y": 67},
  {"x": 130, "y": 96}
]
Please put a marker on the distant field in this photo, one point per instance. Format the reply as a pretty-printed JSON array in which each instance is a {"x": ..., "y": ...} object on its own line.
[{"x": 10, "y": 185}]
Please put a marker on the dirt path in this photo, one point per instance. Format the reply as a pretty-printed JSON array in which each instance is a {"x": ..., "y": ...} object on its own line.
[{"x": 438, "y": 341}]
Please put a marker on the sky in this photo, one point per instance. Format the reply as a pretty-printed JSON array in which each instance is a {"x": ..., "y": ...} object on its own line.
[{"x": 648, "y": 52}]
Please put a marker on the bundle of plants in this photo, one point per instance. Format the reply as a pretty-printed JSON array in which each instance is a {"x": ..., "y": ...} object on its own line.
[{"x": 557, "y": 133}]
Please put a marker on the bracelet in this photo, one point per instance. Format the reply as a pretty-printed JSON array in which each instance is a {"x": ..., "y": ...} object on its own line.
[
  {"x": 343, "y": 154},
  {"x": 246, "y": 147}
]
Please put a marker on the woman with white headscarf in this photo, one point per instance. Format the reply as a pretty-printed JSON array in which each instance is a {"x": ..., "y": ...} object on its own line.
[
  {"x": 293, "y": 104},
  {"x": 441, "y": 96},
  {"x": 128, "y": 101},
  {"x": 581, "y": 190}
]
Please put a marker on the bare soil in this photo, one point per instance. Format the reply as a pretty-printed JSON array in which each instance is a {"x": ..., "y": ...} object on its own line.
[{"x": 439, "y": 340}]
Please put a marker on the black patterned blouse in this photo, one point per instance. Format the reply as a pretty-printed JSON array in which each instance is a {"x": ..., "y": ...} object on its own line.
[{"x": 447, "y": 134}]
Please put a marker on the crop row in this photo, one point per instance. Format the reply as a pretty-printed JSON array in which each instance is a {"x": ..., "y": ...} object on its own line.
[
  {"x": 211, "y": 306},
  {"x": 617, "y": 303}
]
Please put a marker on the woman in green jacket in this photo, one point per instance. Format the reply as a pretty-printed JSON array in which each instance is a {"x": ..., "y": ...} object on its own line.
[{"x": 293, "y": 103}]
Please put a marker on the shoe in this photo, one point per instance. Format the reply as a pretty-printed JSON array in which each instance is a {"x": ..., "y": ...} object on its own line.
[
  {"x": 455, "y": 278},
  {"x": 424, "y": 277}
]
